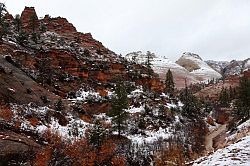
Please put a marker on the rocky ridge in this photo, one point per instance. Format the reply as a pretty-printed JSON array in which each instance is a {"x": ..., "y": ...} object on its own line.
[{"x": 190, "y": 68}]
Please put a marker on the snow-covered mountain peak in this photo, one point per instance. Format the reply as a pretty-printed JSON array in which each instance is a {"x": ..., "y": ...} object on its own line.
[
  {"x": 195, "y": 65},
  {"x": 192, "y": 55}
]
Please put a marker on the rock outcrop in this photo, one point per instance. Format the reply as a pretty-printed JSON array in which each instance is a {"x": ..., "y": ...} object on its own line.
[
  {"x": 29, "y": 19},
  {"x": 14, "y": 146},
  {"x": 195, "y": 65}
]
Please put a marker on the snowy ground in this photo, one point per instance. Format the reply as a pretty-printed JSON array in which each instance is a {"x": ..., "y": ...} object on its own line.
[
  {"x": 75, "y": 129},
  {"x": 237, "y": 154}
]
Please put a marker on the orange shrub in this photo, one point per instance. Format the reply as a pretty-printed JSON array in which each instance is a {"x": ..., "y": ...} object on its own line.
[
  {"x": 33, "y": 121},
  {"x": 118, "y": 161},
  {"x": 6, "y": 114},
  {"x": 42, "y": 158}
]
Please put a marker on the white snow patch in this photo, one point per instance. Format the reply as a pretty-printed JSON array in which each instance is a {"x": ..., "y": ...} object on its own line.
[
  {"x": 150, "y": 136},
  {"x": 237, "y": 154}
]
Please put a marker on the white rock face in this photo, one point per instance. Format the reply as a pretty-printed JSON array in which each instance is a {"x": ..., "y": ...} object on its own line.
[{"x": 200, "y": 69}]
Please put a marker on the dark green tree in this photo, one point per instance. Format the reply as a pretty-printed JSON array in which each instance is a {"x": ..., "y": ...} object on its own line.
[
  {"x": 43, "y": 27},
  {"x": 17, "y": 23},
  {"x": 224, "y": 97},
  {"x": 191, "y": 105},
  {"x": 22, "y": 38},
  {"x": 149, "y": 58},
  {"x": 3, "y": 10},
  {"x": 169, "y": 83},
  {"x": 3, "y": 24},
  {"x": 119, "y": 106},
  {"x": 4, "y": 29},
  {"x": 45, "y": 71},
  {"x": 231, "y": 93},
  {"x": 97, "y": 134},
  {"x": 243, "y": 101},
  {"x": 33, "y": 22},
  {"x": 59, "y": 105}
]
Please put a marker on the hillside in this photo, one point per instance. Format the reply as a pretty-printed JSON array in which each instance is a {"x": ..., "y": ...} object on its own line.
[
  {"x": 66, "y": 99},
  {"x": 233, "y": 67},
  {"x": 235, "y": 152},
  {"x": 189, "y": 67}
]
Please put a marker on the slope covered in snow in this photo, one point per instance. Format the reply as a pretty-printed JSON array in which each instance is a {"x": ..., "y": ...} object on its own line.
[
  {"x": 161, "y": 65},
  {"x": 196, "y": 66},
  {"x": 235, "y": 154},
  {"x": 217, "y": 65}
]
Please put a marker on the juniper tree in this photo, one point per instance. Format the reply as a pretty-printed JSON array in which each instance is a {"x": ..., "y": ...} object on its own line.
[
  {"x": 169, "y": 83},
  {"x": 119, "y": 106}
]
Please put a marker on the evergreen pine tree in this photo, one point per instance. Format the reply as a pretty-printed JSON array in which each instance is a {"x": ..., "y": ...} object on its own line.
[
  {"x": 22, "y": 38},
  {"x": 97, "y": 134},
  {"x": 148, "y": 63},
  {"x": 17, "y": 22},
  {"x": 3, "y": 23},
  {"x": 191, "y": 105},
  {"x": 2, "y": 10},
  {"x": 32, "y": 22},
  {"x": 243, "y": 101},
  {"x": 119, "y": 104},
  {"x": 4, "y": 29},
  {"x": 149, "y": 59},
  {"x": 224, "y": 97},
  {"x": 59, "y": 105},
  {"x": 169, "y": 83},
  {"x": 231, "y": 93}
]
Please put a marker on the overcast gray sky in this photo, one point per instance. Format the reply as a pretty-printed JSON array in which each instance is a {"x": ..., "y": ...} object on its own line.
[{"x": 214, "y": 29}]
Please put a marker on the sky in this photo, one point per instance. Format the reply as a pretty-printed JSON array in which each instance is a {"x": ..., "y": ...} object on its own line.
[{"x": 214, "y": 29}]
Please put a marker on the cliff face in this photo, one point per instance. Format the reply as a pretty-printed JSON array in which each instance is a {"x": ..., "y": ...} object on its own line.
[
  {"x": 59, "y": 25},
  {"x": 29, "y": 19},
  {"x": 62, "y": 59}
]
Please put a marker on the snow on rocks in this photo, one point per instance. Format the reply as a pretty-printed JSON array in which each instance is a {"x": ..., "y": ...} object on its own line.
[
  {"x": 198, "y": 67},
  {"x": 73, "y": 130},
  {"x": 150, "y": 136},
  {"x": 235, "y": 154}
]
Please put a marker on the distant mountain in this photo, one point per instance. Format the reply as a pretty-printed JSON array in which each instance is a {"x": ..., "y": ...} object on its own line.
[
  {"x": 189, "y": 67},
  {"x": 161, "y": 65},
  {"x": 229, "y": 68},
  {"x": 196, "y": 66}
]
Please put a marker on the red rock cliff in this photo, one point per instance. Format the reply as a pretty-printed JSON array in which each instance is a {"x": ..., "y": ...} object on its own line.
[{"x": 29, "y": 19}]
